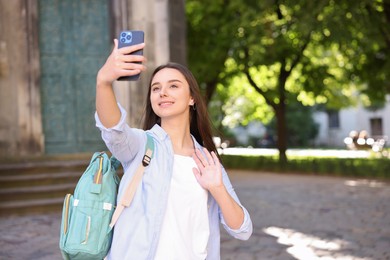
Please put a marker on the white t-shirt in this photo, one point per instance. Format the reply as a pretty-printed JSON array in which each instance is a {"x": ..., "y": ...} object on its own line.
[{"x": 185, "y": 231}]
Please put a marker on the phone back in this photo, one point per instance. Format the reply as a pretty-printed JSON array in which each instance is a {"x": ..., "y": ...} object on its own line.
[{"x": 129, "y": 38}]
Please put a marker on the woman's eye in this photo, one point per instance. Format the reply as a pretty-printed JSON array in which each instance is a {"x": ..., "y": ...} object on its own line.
[
  {"x": 173, "y": 86},
  {"x": 154, "y": 89}
]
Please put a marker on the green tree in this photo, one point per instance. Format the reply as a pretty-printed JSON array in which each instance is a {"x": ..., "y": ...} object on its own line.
[
  {"x": 320, "y": 51},
  {"x": 211, "y": 31},
  {"x": 374, "y": 50}
]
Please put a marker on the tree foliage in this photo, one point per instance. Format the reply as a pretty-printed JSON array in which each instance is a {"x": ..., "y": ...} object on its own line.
[{"x": 321, "y": 51}]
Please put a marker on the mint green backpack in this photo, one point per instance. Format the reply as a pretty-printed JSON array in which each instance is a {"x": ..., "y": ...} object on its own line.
[
  {"x": 88, "y": 215},
  {"x": 85, "y": 233}
]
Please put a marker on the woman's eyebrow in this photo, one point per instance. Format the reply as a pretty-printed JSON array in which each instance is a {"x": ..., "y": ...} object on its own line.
[
  {"x": 169, "y": 81},
  {"x": 174, "y": 80}
]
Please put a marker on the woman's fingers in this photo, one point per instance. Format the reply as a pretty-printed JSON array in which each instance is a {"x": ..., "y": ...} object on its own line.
[
  {"x": 210, "y": 159},
  {"x": 216, "y": 160},
  {"x": 130, "y": 49},
  {"x": 120, "y": 63},
  {"x": 130, "y": 66},
  {"x": 126, "y": 61},
  {"x": 129, "y": 59},
  {"x": 202, "y": 158},
  {"x": 206, "y": 158},
  {"x": 115, "y": 44},
  {"x": 197, "y": 160},
  {"x": 132, "y": 58},
  {"x": 124, "y": 73},
  {"x": 197, "y": 174}
]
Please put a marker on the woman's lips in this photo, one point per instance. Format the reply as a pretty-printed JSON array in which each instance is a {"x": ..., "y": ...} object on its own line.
[{"x": 165, "y": 103}]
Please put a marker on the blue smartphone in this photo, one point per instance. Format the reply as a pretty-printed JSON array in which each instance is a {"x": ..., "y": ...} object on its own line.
[{"x": 129, "y": 38}]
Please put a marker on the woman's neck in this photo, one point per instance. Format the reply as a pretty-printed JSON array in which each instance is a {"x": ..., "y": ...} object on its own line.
[{"x": 180, "y": 137}]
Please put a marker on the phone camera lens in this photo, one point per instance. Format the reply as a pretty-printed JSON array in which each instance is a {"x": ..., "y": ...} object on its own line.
[
  {"x": 123, "y": 34},
  {"x": 123, "y": 39}
]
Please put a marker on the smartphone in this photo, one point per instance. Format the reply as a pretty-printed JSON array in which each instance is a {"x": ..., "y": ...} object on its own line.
[{"x": 129, "y": 38}]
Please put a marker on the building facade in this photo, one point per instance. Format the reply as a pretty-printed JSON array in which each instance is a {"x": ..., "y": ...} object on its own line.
[
  {"x": 335, "y": 127},
  {"x": 50, "y": 52}
]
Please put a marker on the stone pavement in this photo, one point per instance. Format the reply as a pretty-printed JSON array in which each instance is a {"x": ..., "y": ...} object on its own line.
[{"x": 294, "y": 216}]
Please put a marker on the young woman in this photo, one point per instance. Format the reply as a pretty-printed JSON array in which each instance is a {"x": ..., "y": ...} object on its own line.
[{"x": 185, "y": 193}]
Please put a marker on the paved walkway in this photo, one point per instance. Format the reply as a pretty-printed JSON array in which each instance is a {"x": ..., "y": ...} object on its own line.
[{"x": 295, "y": 217}]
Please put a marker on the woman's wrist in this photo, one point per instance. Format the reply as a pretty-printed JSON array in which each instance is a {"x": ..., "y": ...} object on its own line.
[
  {"x": 217, "y": 190},
  {"x": 102, "y": 80},
  {"x": 103, "y": 83}
]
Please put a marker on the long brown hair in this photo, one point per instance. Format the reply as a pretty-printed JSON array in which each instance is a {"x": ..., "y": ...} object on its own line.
[{"x": 200, "y": 124}]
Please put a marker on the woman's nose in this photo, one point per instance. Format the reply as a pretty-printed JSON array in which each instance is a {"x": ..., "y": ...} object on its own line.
[{"x": 163, "y": 92}]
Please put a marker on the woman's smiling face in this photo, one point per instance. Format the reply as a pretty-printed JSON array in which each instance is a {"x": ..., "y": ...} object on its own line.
[{"x": 170, "y": 94}]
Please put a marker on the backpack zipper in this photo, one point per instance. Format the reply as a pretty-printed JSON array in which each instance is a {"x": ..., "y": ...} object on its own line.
[
  {"x": 99, "y": 173},
  {"x": 87, "y": 231},
  {"x": 67, "y": 198}
]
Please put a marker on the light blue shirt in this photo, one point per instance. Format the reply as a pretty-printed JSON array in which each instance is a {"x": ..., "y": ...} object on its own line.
[{"x": 137, "y": 230}]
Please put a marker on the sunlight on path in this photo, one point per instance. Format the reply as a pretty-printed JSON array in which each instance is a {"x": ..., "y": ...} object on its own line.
[{"x": 303, "y": 246}]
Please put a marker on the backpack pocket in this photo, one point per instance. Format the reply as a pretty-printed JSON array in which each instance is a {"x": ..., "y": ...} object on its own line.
[
  {"x": 79, "y": 228},
  {"x": 89, "y": 234}
]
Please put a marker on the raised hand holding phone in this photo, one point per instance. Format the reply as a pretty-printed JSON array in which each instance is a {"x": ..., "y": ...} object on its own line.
[
  {"x": 121, "y": 64},
  {"x": 131, "y": 38}
]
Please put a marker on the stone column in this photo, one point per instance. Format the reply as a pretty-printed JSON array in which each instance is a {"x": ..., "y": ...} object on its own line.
[
  {"x": 177, "y": 31},
  {"x": 164, "y": 42},
  {"x": 20, "y": 106}
]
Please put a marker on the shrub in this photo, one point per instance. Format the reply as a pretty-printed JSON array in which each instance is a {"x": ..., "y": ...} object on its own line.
[{"x": 351, "y": 167}]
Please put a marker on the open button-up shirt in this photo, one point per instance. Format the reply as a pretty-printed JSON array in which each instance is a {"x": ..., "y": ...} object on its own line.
[{"x": 137, "y": 230}]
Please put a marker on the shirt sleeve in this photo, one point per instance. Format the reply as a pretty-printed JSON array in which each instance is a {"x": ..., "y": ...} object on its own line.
[
  {"x": 122, "y": 141},
  {"x": 246, "y": 229}
]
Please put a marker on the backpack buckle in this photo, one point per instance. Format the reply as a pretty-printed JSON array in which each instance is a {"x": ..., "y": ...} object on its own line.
[{"x": 146, "y": 160}]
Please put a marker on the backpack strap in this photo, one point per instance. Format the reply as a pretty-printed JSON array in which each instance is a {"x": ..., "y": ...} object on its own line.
[
  {"x": 114, "y": 162},
  {"x": 134, "y": 183}
]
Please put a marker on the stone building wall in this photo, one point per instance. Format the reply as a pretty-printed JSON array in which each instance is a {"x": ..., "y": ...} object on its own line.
[
  {"x": 20, "y": 113},
  {"x": 21, "y": 131}
]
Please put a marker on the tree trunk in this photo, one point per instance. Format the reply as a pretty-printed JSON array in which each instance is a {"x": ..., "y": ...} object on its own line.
[
  {"x": 280, "y": 112},
  {"x": 210, "y": 89},
  {"x": 281, "y": 127}
]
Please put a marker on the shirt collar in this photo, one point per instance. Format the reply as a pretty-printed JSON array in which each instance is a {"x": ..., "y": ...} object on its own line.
[
  {"x": 162, "y": 135},
  {"x": 159, "y": 132}
]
